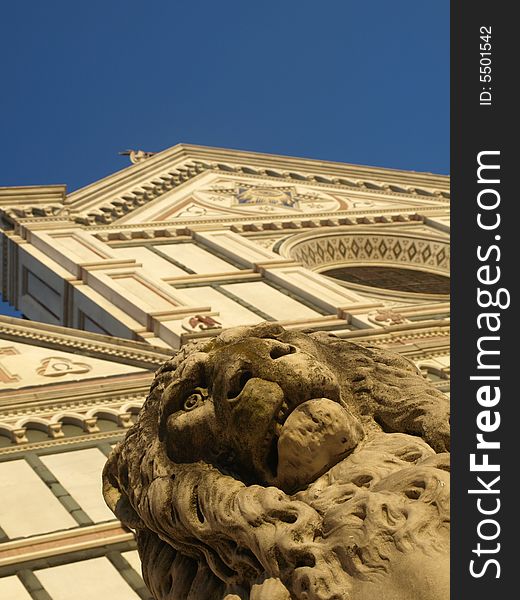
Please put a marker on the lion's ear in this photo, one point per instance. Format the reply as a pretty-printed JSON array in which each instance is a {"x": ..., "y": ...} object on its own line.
[{"x": 116, "y": 498}]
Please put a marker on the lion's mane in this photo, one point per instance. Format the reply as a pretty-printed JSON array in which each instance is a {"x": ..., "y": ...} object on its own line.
[{"x": 202, "y": 532}]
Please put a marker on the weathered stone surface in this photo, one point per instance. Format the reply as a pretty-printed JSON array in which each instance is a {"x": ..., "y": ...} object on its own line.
[{"x": 269, "y": 465}]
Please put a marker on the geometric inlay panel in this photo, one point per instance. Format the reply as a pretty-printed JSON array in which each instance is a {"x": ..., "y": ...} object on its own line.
[{"x": 430, "y": 255}]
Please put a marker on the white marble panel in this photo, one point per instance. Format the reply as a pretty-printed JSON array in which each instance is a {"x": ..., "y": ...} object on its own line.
[
  {"x": 106, "y": 314},
  {"x": 93, "y": 579},
  {"x": 71, "y": 248},
  {"x": 74, "y": 244},
  {"x": 147, "y": 295},
  {"x": 32, "y": 260},
  {"x": 318, "y": 289},
  {"x": 79, "y": 472},
  {"x": 28, "y": 507},
  {"x": 231, "y": 313},
  {"x": 11, "y": 588},
  {"x": 195, "y": 258},
  {"x": 39, "y": 290},
  {"x": 237, "y": 247},
  {"x": 138, "y": 295},
  {"x": 271, "y": 301},
  {"x": 153, "y": 265},
  {"x": 132, "y": 557},
  {"x": 37, "y": 366}
]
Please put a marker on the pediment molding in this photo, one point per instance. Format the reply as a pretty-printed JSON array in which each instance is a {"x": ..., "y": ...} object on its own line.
[
  {"x": 139, "y": 196},
  {"x": 31, "y": 202},
  {"x": 115, "y": 196},
  {"x": 94, "y": 345}
]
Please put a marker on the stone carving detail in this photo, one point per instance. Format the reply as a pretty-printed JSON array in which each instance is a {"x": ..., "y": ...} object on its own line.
[
  {"x": 5, "y": 375},
  {"x": 137, "y": 156},
  {"x": 56, "y": 366},
  {"x": 268, "y": 465},
  {"x": 193, "y": 210},
  {"x": 263, "y": 197},
  {"x": 387, "y": 317},
  {"x": 200, "y": 323},
  {"x": 366, "y": 248}
]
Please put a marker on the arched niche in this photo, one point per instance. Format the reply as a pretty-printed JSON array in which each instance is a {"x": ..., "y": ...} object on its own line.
[{"x": 379, "y": 262}]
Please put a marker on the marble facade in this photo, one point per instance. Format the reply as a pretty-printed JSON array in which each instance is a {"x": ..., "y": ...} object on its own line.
[{"x": 117, "y": 276}]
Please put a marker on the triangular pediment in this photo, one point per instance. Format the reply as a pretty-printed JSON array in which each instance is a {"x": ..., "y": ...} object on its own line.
[{"x": 186, "y": 183}]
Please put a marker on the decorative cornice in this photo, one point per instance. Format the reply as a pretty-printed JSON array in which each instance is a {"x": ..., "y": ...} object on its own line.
[
  {"x": 145, "y": 193},
  {"x": 65, "y": 441},
  {"x": 324, "y": 167},
  {"x": 107, "y": 200},
  {"x": 139, "y": 196},
  {"x": 401, "y": 334},
  {"x": 30, "y": 213},
  {"x": 173, "y": 229},
  {"x": 392, "y": 335},
  {"x": 32, "y": 195},
  {"x": 319, "y": 180},
  {"x": 17, "y": 423},
  {"x": 90, "y": 344},
  {"x": 428, "y": 353},
  {"x": 113, "y": 397},
  {"x": 29, "y": 202}
]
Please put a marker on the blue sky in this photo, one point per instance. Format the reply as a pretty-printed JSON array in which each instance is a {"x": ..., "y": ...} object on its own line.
[{"x": 360, "y": 82}]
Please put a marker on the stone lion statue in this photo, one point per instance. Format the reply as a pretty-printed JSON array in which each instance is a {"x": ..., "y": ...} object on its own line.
[{"x": 271, "y": 465}]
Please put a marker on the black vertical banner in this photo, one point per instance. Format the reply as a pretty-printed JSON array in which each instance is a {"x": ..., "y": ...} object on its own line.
[{"x": 485, "y": 265}]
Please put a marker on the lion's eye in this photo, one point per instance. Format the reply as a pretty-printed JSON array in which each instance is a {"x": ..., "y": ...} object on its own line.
[{"x": 193, "y": 401}]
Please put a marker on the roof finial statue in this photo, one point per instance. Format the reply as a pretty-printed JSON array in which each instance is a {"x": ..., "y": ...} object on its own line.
[{"x": 137, "y": 156}]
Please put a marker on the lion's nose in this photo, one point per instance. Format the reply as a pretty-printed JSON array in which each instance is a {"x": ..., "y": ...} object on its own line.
[
  {"x": 237, "y": 384},
  {"x": 279, "y": 349},
  {"x": 254, "y": 360}
]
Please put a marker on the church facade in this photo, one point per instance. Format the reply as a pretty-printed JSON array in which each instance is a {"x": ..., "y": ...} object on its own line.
[{"x": 117, "y": 276}]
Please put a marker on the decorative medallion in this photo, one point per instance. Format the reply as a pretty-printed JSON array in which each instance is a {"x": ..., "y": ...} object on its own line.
[
  {"x": 57, "y": 367},
  {"x": 264, "y": 194},
  {"x": 200, "y": 323},
  {"x": 387, "y": 317},
  {"x": 259, "y": 197}
]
